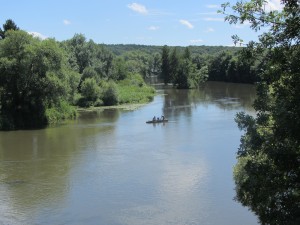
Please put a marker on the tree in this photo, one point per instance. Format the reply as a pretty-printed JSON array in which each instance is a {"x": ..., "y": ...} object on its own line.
[
  {"x": 267, "y": 175},
  {"x": 120, "y": 69},
  {"x": 187, "y": 54},
  {"x": 183, "y": 75},
  {"x": 165, "y": 65},
  {"x": 110, "y": 93},
  {"x": 183, "y": 78},
  {"x": 218, "y": 66},
  {"x": 33, "y": 80},
  {"x": 174, "y": 66},
  {"x": 90, "y": 89},
  {"x": 200, "y": 76},
  {"x": 155, "y": 68},
  {"x": 9, "y": 25},
  {"x": 81, "y": 51}
]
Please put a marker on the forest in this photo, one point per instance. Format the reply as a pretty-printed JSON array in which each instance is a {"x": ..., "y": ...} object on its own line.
[{"x": 42, "y": 82}]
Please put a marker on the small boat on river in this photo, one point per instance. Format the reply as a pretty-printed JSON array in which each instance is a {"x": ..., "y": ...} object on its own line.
[{"x": 157, "y": 121}]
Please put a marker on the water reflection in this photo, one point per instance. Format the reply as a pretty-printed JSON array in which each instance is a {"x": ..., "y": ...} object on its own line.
[
  {"x": 229, "y": 95},
  {"x": 35, "y": 166},
  {"x": 109, "y": 167},
  {"x": 226, "y": 96}
]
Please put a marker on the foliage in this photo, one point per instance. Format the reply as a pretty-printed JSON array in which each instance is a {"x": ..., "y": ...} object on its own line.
[
  {"x": 134, "y": 90},
  {"x": 110, "y": 93},
  {"x": 36, "y": 76},
  {"x": 181, "y": 69},
  {"x": 60, "y": 112},
  {"x": 199, "y": 76},
  {"x": 90, "y": 92},
  {"x": 165, "y": 65},
  {"x": 9, "y": 25},
  {"x": 268, "y": 168},
  {"x": 84, "y": 54},
  {"x": 120, "y": 49},
  {"x": 120, "y": 69},
  {"x": 237, "y": 68},
  {"x": 32, "y": 79}
]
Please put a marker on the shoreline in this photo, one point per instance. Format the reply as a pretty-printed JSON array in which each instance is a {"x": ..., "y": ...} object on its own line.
[{"x": 132, "y": 106}]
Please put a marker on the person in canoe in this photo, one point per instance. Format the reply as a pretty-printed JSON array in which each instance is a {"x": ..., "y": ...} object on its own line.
[{"x": 154, "y": 119}]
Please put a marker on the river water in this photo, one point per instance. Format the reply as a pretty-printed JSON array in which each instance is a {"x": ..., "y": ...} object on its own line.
[{"x": 111, "y": 168}]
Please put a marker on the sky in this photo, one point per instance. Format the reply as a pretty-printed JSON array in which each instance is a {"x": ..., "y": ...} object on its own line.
[{"x": 146, "y": 22}]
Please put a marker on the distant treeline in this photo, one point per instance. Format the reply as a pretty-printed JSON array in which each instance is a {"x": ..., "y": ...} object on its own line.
[
  {"x": 228, "y": 64},
  {"x": 41, "y": 81},
  {"x": 120, "y": 49}
]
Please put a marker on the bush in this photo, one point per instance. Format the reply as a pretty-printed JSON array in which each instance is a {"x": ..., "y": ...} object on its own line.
[
  {"x": 134, "y": 90},
  {"x": 90, "y": 90},
  {"x": 111, "y": 94},
  {"x": 60, "y": 112}
]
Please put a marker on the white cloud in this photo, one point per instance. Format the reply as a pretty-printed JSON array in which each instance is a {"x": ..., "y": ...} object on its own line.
[
  {"x": 273, "y": 5},
  {"x": 37, "y": 35},
  {"x": 217, "y": 19},
  {"x": 209, "y": 30},
  {"x": 138, "y": 8},
  {"x": 196, "y": 41},
  {"x": 153, "y": 28},
  {"x": 66, "y": 22},
  {"x": 187, "y": 23},
  {"x": 212, "y": 6}
]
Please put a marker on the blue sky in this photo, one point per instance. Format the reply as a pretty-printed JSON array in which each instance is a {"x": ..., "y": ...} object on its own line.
[{"x": 148, "y": 22}]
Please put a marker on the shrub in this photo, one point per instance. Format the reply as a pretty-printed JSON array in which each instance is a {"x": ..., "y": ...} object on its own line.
[
  {"x": 134, "y": 90},
  {"x": 90, "y": 90},
  {"x": 60, "y": 112},
  {"x": 111, "y": 94}
]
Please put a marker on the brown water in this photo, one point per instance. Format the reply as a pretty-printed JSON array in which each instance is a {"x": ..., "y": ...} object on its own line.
[{"x": 111, "y": 168}]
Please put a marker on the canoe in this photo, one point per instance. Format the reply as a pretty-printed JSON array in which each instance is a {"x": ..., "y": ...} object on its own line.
[{"x": 157, "y": 121}]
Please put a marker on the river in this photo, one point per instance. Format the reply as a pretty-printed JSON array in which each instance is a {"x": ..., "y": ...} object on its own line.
[{"x": 111, "y": 168}]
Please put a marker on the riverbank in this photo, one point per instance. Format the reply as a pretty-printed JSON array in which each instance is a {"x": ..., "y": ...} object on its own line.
[{"x": 133, "y": 106}]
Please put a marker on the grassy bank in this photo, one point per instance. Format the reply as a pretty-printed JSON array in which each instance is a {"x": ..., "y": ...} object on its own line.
[{"x": 131, "y": 93}]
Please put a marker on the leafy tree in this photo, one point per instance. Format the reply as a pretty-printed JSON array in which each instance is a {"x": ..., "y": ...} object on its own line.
[
  {"x": 232, "y": 70},
  {"x": 189, "y": 76},
  {"x": 187, "y": 54},
  {"x": 183, "y": 75},
  {"x": 155, "y": 68},
  {"x": 174, "y": 65},
  {"x": 183, "y": 78},
  {"x": 267, "y": 174},
  {"x": 89, "y": 72},
  {"x": 80, "y": 51},
  {"x": 9, "y": 25},
  {"x": 200, "y": 76},
  {"x": 73, "y": 83},
  {"x": 218, "y": 66},
  {"x": 32, "y": 80},
  {"x": 110, "y": 93},
  {"x": 165, "y": 65},
  {"x": 120, "y": 69},
  {"x": 138, "y": 62},
  {"x": 90, "y": 91}
]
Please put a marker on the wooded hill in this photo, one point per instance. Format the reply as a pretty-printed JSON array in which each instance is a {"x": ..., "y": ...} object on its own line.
[{"x": 119, "y": 49}]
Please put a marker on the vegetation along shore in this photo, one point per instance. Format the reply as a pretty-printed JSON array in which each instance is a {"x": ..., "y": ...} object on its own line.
[{"x": 43, "y": 82}]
